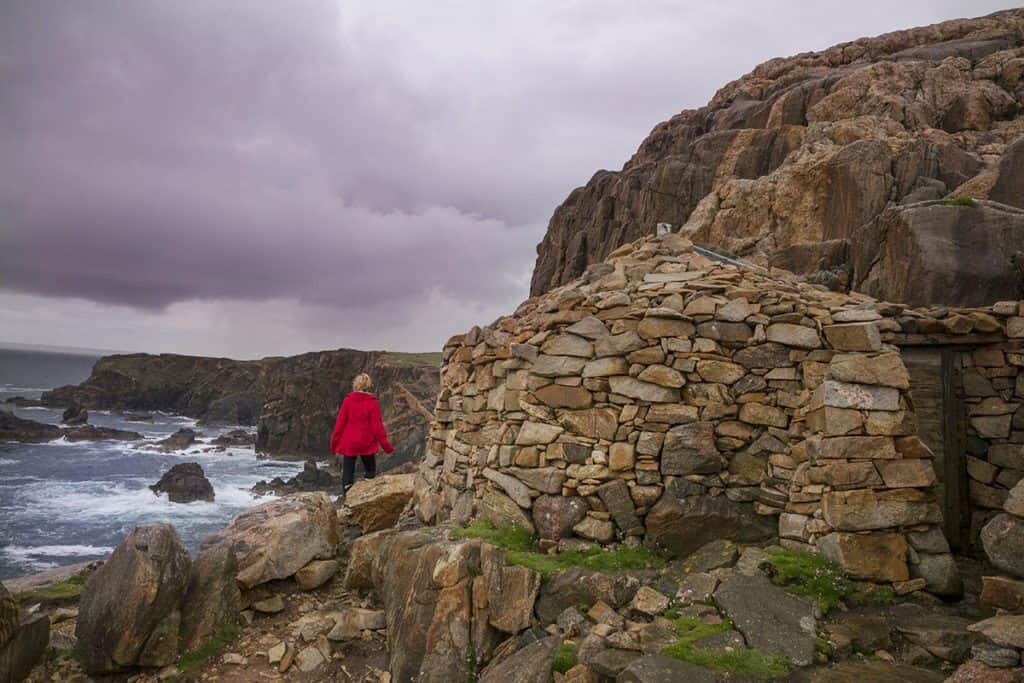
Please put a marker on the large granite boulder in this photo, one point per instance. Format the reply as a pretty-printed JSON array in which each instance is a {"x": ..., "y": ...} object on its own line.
[
  {"x": 185, "y": 483},
  {"x": 23, "y": 639},
  {"x": 965, "y": 250},
  {"x": 683, "y": 525},
  {"x": 1003, "y": 541},
  {"x": 790, "y": 164},
  {"x": 212, "y": 601},
  {"x": 377, "y": 503},
  {"x": 278, "y": 538},
  {"x": 130, "y": 609},
  {"x": 555, "y": 516},
  {"x": 447, "y": 604}
]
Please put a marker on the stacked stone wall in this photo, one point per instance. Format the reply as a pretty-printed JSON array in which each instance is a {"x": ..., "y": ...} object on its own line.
[{"x": 669, "y": 398}]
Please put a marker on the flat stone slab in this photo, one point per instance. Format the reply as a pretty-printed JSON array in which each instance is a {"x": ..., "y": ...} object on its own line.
[
  {"x": 770, "y": 619},
  {"x": 658, "y": 669},
  {"x": 868, "y": 672}
]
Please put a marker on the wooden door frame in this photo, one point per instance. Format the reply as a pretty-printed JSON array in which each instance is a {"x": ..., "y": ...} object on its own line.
[{"x": 956, "y": 512}]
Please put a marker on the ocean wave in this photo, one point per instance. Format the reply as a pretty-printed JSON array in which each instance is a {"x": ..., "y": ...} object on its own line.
[
  {"x": 7, "y": 461},
  {"x": 132, "y": 501},
  {"x": 11, "y": 387},
  {"x": 23, "y": 552}
]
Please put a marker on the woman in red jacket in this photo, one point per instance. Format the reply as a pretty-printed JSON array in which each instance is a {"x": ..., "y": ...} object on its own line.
[{"x": 359, "y": 431}]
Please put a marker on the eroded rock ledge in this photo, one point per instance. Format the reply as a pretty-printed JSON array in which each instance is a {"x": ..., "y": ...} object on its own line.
[{"x": 812, "y": 162}]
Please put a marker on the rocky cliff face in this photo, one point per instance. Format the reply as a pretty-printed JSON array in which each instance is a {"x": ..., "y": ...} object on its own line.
[
  {"x": 293, "y": 401},
  {"x": 835, "y": 164}
]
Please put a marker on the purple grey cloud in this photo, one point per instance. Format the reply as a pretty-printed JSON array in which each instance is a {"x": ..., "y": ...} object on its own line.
[{"x": 359, "y": 160}]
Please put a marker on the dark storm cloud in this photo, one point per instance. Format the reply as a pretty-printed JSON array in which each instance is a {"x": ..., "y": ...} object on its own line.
[{"x": 365, "y": 158}]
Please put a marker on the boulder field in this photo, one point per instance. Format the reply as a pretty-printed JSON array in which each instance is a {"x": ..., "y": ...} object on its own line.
[
  {"x": 860, "y": 166},
  {"x": 296, "y": 588}
]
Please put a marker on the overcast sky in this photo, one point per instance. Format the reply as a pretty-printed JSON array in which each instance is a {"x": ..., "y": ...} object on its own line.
[{"x": 253, "y": 178}]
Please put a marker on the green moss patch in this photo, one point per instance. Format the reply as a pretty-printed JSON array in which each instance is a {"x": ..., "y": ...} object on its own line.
[
  {"x": 67, "y": 590},
  {"x": 564, "y": 659},
  {"x": 810, "y": 575},
  {"x": 510, "y": 538},
  {"x": 191, "y": 662},
  {"x": 872, "y": 595},
  {"x": 519, "y": 546},
  {"x": 751, "y": 663},
  {"x": 961, "y": 201}
]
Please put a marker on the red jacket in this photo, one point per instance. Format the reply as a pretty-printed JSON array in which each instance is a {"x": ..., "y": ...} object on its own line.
[{"x": 359, "y": 429}]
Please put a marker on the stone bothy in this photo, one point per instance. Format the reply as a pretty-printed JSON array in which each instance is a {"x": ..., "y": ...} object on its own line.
[{"x": 670, "y": 398}]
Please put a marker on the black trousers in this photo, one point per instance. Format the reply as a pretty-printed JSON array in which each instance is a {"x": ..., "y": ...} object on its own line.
[{"x": 348, "y": 469}]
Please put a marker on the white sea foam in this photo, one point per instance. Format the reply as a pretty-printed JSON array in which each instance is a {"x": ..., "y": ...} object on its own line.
[
  {"x": 42, "y": 557},
  {"x": 24, "y": 552},
  {"x": 7, "y": 461}
]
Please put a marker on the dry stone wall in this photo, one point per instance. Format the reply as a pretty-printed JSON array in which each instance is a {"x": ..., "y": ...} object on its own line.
[{"x": 673, "y": 399}]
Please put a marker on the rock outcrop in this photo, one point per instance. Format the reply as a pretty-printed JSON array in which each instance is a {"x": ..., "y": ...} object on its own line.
[
  {"x": 75, "y": 414},
  {"x": 93, "y": 433},
  {"x": 185, "y": 483},
  {"x": 839, "y": 165},
  {"x": 277, "y": 539},
  {"x": 130, "y": 609},
  {"x": 179, "y": 440},
  {"x": 376, "y": 503},
  {"x": 311, "y": 478},
  {"x": 293, "y": 401},
  {"x": 19, "y": 430},
  {"x": 447, "y": 604}
]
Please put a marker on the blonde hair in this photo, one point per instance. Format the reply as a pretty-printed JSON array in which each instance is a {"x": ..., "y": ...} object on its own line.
[{"x": 362, "y": 382}]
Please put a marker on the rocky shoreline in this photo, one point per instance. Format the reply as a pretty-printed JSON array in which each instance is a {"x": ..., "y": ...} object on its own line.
[
  {"x": 291, "y": 401},
  {"x": 303, "y": 587}
]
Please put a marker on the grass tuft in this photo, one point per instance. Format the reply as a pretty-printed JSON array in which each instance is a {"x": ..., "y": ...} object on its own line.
[
  {"x": 752, "y": 663},
  {"x": 874, "y": 595},
  {"x": 191, "y": 662},
  {"x": 62, "y": 591},
  {"x": 519, "y": 546},
  {"x": 565, "y": 658},
  {"x": 510, "y": 538},
  {"x": 961, "y": 201},
  {"x": 811, "y": 575},
  {"x": 413, "y": 360}
]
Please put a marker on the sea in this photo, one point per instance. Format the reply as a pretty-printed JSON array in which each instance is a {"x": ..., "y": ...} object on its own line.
[{"x": 62, "y": 503}]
